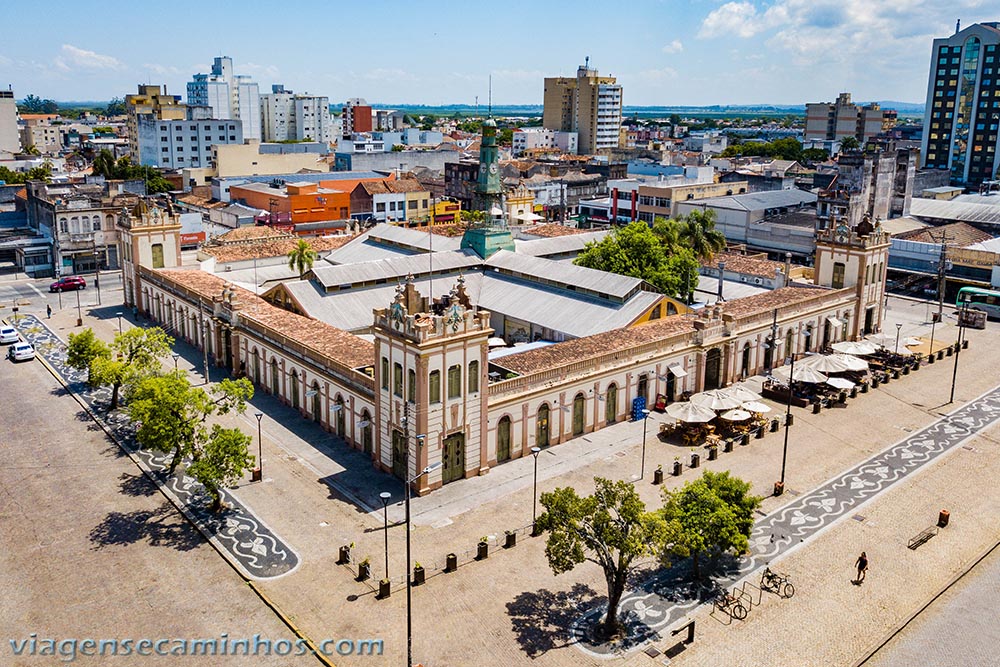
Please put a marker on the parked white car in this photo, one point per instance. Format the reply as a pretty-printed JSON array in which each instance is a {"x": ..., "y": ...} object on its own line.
[
  {"x": 21, "y": 352},
  {"x": 8, "y": 335}
]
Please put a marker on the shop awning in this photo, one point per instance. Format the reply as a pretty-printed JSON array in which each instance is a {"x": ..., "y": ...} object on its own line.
[
  {"x": 677, "y": 370},
  {"x": 834, "y": 322}
]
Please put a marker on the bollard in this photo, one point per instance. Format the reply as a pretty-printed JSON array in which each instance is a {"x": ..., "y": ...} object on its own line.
[
  {"x": 345, "y": 555},
  {"x": 940, "y": 355},
  {"x": 950, "y": 350},
  {"x": 817, "y": 406},
  {"x": 842, "y": 398},
  {"x": 364, "y": 570},
  {"x": 744, "y": 439},
  {"x": 965, "y": 344},
  {"x": 943, "y": 517},
  {"x": 713, "y": 453},
  {"x": 658, "y": 475},
  {"x": 864, "y": 388},
  {"x": 678, "y": 468},
  {"x": 759, "y": 434},
  {"x": 854, "y": 391},
  {"x": 695, "y": 460},
  {"x": 906, "y": 370},
  {"x": 450, "y": 563},
  {"x": 779, "y": 488},
  {"x": 916, "y": 364},
  {"x": 509, "y": 539},
  {"x": 774, "y": 426},
  {"x": 888, "y": 376},
  {"x": 790, "y": 419},
  {"x": 727, "y": 445},
  {"x": 874, "y": 382},
  {"x": 384, "y": 589},
  {"x": 418, "y": 575},
  {"x": 482, "y": 550}
]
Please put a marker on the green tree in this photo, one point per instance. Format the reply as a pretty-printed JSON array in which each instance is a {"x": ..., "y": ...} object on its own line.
[
  {"x": 301, "y": 257},
  {"x": 137, "y": 354},
  {"x": 35, "y": 104},
  {"x": 505, "y": 137},
  {"x": 610, "y": 528},
  {"x": 710, "y": 516},
  {"x": 815, "y": 155},
  {"x": 116, "y": 107},
  {"x": 849, "y": 144},
  {"x": 472, "y": 216},
  {"x": 222, "y": 462},
  {"x": 83, "y": 348},
  {"x": 685, "y": 269},
  {"x": 699, "y": 234},
  {"x": 31, "y": 150},
  {"x": 172, "y": 415}
]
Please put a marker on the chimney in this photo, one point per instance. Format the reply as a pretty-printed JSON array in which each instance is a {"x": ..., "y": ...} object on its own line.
[
  {"x": 958, "y": 26},
  {"x": 788, "y": 268},
  {"x": 722, "y": 276}
]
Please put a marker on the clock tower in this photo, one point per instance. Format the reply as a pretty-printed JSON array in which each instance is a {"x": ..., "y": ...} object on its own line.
[{"x": 488, "y": 189}]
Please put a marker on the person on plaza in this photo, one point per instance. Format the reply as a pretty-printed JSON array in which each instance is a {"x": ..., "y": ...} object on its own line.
[
  {"x": 862, "y": 566},
  {"x": 48, "y": 311}
]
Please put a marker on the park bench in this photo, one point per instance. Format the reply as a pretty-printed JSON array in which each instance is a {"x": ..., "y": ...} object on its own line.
[{"x": 921, "y": 537}]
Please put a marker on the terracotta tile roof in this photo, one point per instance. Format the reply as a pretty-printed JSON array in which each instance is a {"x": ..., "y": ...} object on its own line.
[
  {"x": 616, "y": 340},
  {"x": 405, "y": 185},
  {"x": 751, "y": 265},
  {"x": 328, "y": 341},
  {"x": 959, "y": 234},
  {"x": 448, "y": 230},
  {"x": 251, "y": 233},
  {"x": 552, "y": 230},
  {"x": 273, "y": 247}
]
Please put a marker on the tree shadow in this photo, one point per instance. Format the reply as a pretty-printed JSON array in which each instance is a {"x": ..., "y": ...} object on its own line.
[
  {"x": 158, "y": 527},
  {"x": 137, "y": 485},
  {"x": 541, "y": 619}
]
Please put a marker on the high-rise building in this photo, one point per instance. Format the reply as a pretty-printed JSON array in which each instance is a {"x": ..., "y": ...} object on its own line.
[
  {"x": 9, "y": 140},
  {"x": 963, "y": 105},
  {"x": 841, "y": 119},
  {"x": 588, "y": 104},
  {"x": 357, "y": 117},
  {"x": 228, "y": 95},
  {"x": 290, "y": 117},
  {"x": 154, "y": 105}
]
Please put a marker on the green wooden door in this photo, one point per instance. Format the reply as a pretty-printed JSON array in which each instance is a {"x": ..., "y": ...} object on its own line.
[
  {"x": 453, "y": 458},
  {"x": 503, "y": 440},
  {"x": 578, "y": 418},
  {"x": 542, "y": 430},
  {"x": 611, "y": 405},
  {"x": 398, "y": 455}
]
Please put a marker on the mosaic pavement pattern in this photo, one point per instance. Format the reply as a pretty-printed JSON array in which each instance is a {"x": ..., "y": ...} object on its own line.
[
  {"x": 667, "y": 596},
  {"x": 250, "y": 544}
]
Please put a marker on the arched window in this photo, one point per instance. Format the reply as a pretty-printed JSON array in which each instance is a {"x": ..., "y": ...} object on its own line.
[
  {"x": 397, "y": 380},
  {"x": 473, "y": 376},
  {"x": 97, "y": 223},
  {"x": 64, "y": 225},
  {"x": 256, "y": 366},
  {"x": 579, "y": 418},
  {"x": 340, "y": 418},
  {"x": 542, "y": 426},
  {"x": 611, "y": 404},
  {"x": 454, "y": 381},
  {"x": 366, "y": 431},
  {"x": 503, "y": 439},
  {"x": 434, "y": 387},
  {"x": 317, "y": 409},
  {"x": 294, "y": 390},
  {"x": 746, "y": 361},
  {"x": 157, "y": 252}
]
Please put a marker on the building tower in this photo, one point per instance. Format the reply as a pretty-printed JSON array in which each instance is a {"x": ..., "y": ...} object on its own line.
[
  {"x": 430, "y": 386},
  {"x": 588, "y": 104},
  {"x": 150, "y": 238},
  {"x": 855, "y": 257},
  {"x": 10, "y": 142},
  {"x": 489, "y": 192},
  {"x": 228, "y": 95},
  {"x": 962, "y": 112}
]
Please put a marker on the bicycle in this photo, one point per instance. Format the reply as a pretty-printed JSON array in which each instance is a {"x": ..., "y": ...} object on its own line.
[
  {"x": 776, "y": 582},
  {"x": 731, "y": 605}
]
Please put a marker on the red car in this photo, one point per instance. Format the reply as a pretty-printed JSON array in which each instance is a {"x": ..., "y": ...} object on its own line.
[{"x": 68, "y": 283}]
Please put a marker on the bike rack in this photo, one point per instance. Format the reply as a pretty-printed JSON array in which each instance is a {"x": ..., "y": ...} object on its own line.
[{"x": 748, "y": 594}]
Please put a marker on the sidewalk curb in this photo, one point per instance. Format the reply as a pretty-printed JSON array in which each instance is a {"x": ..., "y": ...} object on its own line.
[
  {"x": 190, "y": 519},
  {"x": 889, "y": 636}
]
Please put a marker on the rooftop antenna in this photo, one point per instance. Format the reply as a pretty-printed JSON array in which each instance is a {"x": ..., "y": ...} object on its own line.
[
  {"x": 958, "y": 26},
  {"x": 491, "y": 97}
]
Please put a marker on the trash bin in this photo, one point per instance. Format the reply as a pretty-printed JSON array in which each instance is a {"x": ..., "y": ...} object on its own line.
[
  {"x": 450, "y": 563},
  {"x": 658, "y": 476},
  {"x": 695, "y": 460},
  {"x": 509, "y": 540},
  {"x": 678, "y": 468},
  {"x": 943, "y": 517},
  {"x": 817, "y": 406},
  {"x": 779, "y": 488}
]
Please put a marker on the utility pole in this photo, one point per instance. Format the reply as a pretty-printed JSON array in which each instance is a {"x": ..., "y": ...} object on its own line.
[
  {"x": 942, "y": 269},
  {"x": 204, "y": 337},
  {"x": 774, "y": 337}
]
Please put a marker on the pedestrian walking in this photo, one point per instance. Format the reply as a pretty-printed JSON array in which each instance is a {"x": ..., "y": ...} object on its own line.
[
  {"x": 862, "y": 566},
  {"x": 48, "y": 311}
]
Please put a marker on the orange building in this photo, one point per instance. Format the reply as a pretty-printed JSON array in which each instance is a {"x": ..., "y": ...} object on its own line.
[{"x": 296, "y": 202}]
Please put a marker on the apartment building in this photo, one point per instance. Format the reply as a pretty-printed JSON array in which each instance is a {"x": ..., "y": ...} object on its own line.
[
  {"x": 962, "y": 112},
  {"x": 841, "y": 119},
  {"x": 588, "y": 104},
  {"x": 228, "y": 95},
  {"x": 287, "y": 116},
  {"x": 182, "y": 144},
  {"x": 540, "y": 139},
  {"x": 357, "y": 117},
  {"x": 10, "y": 142},
  {"x": 154, "y": 103}
]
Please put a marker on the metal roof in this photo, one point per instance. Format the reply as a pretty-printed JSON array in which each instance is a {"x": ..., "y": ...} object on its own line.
[
  {"x": 558, "y": 245},
  {"x": 396, "y": 267},
  {"x": 413, "y": 239},
  {"x": 988, "y": 214},
  {"x": 758, "y": 201},
  {"x": 568, "y": 276}
]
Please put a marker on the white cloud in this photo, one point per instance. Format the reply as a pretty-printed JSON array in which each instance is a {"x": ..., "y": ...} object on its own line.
[
  {"x": 673, "y": 47},
  {"x": 261, "y": 73},
  {"x": 72, "y": 58},
  {"x": 733, "y": 18},
  {"x": 162, "y": 70},
  {"x": 653, "y": 75}
]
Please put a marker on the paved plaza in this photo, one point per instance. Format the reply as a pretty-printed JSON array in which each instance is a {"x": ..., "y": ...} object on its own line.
[{"x": 867, "y": 476}]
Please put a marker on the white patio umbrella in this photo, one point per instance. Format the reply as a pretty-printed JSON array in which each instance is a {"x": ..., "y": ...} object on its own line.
[
  {"x": 689, "y": 413},
  {"x": 852, "y": 362},
  {"x": 882, "y": 339},
  {"x": 823, "y": 363},
  {"x": 741, "y": 393},
  {"x": 840, "y": 383},
  {"x": 496, "y": 341},
  {"x": 862, "y": 348},
  {"x": 715, "y": 399},
  {"x": 756, "y": 406},
  {"x": 736, "y": 415},
  {"x": 910, "y": 340},
  {"x": 802, "y": 374}
]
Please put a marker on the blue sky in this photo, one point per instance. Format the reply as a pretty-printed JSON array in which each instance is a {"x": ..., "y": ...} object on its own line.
[{"x": 668, "y": 52}]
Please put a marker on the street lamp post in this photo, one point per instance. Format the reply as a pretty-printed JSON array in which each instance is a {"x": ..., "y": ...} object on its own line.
[
  {"x": 898, "y": 327},
  {"x": 779, "y": 488},
  {"x": 258, "y": 473},
  {"x": 79, "y": 311},
  {"x": 176, "y": 356},
  {"x": 119, "y": 316},
  {"x": 384, "y": 497},
  {"x": 642, "y": 464},
  {"x": 409, "y": 578},
  {"x": 958, "y": 347},
  {"x": 535, "y": 451}
]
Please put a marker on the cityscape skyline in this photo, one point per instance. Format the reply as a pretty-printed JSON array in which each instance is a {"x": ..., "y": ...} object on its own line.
[{"x": 681, "y": 52}]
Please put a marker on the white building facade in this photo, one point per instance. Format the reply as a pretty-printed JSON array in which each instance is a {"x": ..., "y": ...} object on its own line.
[
  {"x": 286, "y": 116},
  {"x": 229, "y": 96},
  {"x": 183, "y": 144},
  {"x": 527, "y": 138}
]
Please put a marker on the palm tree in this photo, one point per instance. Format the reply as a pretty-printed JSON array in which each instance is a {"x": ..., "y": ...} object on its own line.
[
  {"x": 669, "y": 232},
  {"x": 700, "y": 235},
  {"x": 301, "y": 257}
]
